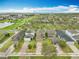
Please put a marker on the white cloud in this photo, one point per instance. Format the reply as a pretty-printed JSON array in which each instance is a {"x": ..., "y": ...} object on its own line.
[
  {"x": 56, "y": 9},
  {"x": 73, "y": 9}
]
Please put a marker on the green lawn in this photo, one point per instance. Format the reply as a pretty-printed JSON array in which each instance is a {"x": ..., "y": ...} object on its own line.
[
  {"x": 76, "y": 44},
  {"x": 4, "y": 37},
  {"x": 2, "y": 21},
  {"x": 40, "y": 57},
  {"x": 64, "y": 46},
  {"x": 67, "y": 49},
  {"x": 15, "y": 25},
  {"x": 18, "y": 23},
  {"x": 6, "y": 46},
  {"x": 13, "y": 57}
]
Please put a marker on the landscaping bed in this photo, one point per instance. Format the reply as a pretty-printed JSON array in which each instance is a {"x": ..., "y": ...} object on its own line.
[
  {"x": 48, "y": 47},
  {"x": 31, "y": 47}
]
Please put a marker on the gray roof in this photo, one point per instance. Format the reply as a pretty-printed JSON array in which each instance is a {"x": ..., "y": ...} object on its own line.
[
  {"x": 76, "y": 37},
  {"x": 73, "y": 31}
]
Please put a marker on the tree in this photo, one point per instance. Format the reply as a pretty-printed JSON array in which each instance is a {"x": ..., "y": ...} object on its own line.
[
  {"x": 46, "y": 35},
  {"x": 7, "y": 34}
]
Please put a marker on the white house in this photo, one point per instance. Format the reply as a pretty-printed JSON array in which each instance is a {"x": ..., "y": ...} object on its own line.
[{"x": 28, "y": 36}]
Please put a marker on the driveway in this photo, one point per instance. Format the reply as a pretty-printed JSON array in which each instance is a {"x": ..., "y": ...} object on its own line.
[
  {"x": 23, "y": 50},
  {"x": 59, "y": 50},
  {"x": 72, "y": 46},
  {"x": 39, "y": 48}
]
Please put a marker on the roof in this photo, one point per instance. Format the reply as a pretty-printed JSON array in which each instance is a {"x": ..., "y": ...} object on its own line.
[
  {"x": 73, "y": 31},
  {"x": 63, "y": 35},
  {"x": 28, "y": 36},
  {"x": 76, "y": 37}
]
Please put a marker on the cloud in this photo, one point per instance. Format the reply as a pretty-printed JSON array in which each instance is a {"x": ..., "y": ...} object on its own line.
[
  {"x": 56, "y": 9},
  {"x": 73, "y": 9}
]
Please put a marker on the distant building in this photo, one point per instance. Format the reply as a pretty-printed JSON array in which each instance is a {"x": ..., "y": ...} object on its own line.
[{"x": 1, "y": 18}]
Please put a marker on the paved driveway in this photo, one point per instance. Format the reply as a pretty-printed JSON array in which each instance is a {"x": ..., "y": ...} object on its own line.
[
  {"x": 39, "y": 48},
  {"x": 73, "y": 47},
  {"x": 59, "y": 50}
]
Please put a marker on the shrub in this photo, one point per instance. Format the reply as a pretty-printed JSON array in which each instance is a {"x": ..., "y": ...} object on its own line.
[
  {"x": 32, "y": 45},
  {"x": 62, "y": 43},
  {"x": 46, "y": 35}
]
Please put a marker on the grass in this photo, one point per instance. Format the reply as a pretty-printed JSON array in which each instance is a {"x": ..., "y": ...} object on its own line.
[
  {"x": 4, "y": 37},
  {"x": 2, "y": 21},
  {"x": 76, "y": 44},
  {"x": 67, "y": 49},
  {"x": 13, "y": 57},
  {"x": 6, "y": 46},
  {"x": 40, "y": 57},
  {"x": 64, "y": 46},
  {"x": 18, "y": 23},
  {"x": 15, "y": 25}
]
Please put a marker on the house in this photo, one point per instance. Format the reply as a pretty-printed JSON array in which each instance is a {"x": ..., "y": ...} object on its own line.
[
  {"x": 74, "y": 34},
  {"x": 1, "y": 18},
  {"x": 18, "y": 36},
  {"x": 62, "y": 35},
  {"x": 29, "y": 35}
]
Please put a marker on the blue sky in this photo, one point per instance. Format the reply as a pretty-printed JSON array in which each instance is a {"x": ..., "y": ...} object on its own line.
[
  {"x": 35, "y": 3},
  {"x": 39, "y": 4}
]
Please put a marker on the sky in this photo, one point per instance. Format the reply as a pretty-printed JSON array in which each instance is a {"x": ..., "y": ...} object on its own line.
[{"x": 40, "y": 6}]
